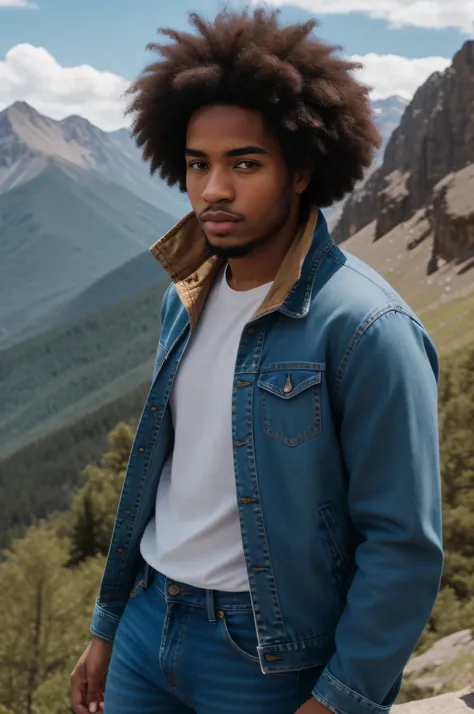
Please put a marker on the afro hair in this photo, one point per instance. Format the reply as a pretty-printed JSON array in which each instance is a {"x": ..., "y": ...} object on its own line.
[{"x": 310, "y": 101}]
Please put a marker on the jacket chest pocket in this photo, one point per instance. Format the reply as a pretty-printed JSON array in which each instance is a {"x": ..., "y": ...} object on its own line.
[{"x": 290, "y": 399}]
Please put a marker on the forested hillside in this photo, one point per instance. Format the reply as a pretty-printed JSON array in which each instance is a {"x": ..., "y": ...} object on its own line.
[
  {"x": 39, "y": 480},
  {"x": 56, "y": 378}
]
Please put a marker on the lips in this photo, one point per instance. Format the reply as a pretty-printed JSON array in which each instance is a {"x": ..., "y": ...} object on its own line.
[
  {"x": 220, "y": 223},
  {"x": 219, "y": 228}
]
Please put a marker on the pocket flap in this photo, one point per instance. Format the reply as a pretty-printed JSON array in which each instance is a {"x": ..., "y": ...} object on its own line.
[{"x": 288, "y": 383}]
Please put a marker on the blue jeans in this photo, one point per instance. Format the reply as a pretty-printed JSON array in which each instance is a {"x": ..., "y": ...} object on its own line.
[{"x": 184, "y": 650}]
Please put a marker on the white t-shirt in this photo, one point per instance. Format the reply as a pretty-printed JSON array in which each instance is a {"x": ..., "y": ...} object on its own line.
[{"x": 195, "y": 535}]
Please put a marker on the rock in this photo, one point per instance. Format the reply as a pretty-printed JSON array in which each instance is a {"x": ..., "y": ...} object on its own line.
[
  {"x": 394, "y": 202},
  {"x": 361, "y": 208},
  {"x": 442, "y": 652},
  {"x": 447, "y": 665},
  {"x": 454, "y": 703},
  {"x": 435, "y": 138},
  {"x": 452, "y": 216}
]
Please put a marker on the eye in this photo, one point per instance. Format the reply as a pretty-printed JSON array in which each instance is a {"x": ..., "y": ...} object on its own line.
[
  {"x": 198, "y": 165},
  {"x": 247, "y": 164}
]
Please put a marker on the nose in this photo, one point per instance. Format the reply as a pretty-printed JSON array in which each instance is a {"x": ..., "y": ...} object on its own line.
[{"x": 219, "y": 187}]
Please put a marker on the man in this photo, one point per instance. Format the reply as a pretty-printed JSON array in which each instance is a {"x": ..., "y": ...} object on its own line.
[{"x": 277, "y": 546}]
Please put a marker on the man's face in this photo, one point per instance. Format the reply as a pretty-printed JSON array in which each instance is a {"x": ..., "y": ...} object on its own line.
[{"x": 236, "y": 178}]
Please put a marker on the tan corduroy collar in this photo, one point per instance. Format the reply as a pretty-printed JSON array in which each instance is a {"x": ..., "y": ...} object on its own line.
[{"x": 184, "y": 254}]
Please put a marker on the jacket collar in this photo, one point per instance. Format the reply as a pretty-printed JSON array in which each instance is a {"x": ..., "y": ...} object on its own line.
[{"x": 184, "y": 254}]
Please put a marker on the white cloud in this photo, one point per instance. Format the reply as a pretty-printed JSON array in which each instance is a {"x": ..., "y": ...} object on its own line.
[
  {"x": 21, "y": 4},
  {"x": 31, "y": 74},
  {"x": 393, "y": 74},
  {"x": 432, "y": 14}
]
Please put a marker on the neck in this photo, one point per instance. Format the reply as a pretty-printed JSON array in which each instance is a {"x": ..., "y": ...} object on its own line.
[{"x": 262, "y": 265}]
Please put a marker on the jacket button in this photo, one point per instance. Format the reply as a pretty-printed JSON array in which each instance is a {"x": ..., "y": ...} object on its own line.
[
  {"x": 240, "y": 443},
  {"x": 173, "y": 589},
  {"x": 220, "y": 615},
  {"x": 141, "y": 449},
  {"x": 153, "y": 409}
]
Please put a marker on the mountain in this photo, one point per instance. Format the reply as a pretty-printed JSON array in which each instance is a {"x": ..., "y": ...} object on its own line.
[
  {"x": 59, "y": 232},
  {"x": 55, "y": 378},
  {"x": 435, "y": 139},
  {"x": 132, "y": 277},
  {"x": 124, "y": 138},
  {"x": 387, "y": 116},
  {"x": 444, "y": 300},
  {"x": 413, "y": 219},
  {"x": 28, "y": 140}
]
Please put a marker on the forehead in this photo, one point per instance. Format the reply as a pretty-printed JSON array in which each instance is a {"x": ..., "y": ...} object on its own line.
[{"x": 223, "y": 127}]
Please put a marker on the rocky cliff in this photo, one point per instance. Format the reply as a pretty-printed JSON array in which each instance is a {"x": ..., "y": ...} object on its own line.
[
  {"x": 427, "y": 164},
  {"x": 451, "y": 216}
]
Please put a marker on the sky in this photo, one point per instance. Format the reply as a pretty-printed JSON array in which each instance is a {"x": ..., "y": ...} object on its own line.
[{"x": 79, "y": 56}]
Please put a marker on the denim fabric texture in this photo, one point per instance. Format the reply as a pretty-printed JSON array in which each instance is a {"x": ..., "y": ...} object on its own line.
[
  {"x": 336, "y": 460},
  {"x": 180, "y": 650}
]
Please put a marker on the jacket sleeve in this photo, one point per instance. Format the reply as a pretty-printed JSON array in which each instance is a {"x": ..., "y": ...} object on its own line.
[
  {"x": 387, "y": 402},
  {"x": 105, "y": 620}
]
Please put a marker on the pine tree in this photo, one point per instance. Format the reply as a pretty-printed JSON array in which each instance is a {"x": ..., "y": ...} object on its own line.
[
  {"x": 95, "y": 504},
  {"x": 46, "y": 611}
]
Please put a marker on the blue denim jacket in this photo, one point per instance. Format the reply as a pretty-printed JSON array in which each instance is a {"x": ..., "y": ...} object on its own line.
[{"x": 336, "y": 466}]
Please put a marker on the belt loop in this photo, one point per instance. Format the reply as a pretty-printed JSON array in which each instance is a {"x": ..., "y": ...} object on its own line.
[{"x": 211, "y": 610}]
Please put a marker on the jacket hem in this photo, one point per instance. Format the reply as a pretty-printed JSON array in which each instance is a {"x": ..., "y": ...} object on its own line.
[{"x": 294, "y": 656}]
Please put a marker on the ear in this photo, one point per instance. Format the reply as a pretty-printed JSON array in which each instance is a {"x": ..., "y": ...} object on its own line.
[{"x": 301, "y": 181}]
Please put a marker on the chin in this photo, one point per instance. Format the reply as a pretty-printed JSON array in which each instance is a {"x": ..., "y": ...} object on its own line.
[{"x": 227, "y": 248}]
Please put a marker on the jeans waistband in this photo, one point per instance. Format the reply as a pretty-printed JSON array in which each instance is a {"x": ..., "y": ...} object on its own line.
[{"x": 212, "y": 600}]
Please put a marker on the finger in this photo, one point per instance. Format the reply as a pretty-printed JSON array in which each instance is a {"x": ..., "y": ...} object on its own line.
[
  {"x": 80, "y": 709},
  {"x": 77, "y": 700},
  {"x": 102, "y": 694},
  {"x": 93, "y": 694}
]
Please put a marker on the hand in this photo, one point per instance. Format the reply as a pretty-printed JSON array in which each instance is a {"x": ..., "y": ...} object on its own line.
[
  {"x": 312, "y": 706},
  {"x": 88, "y": 677}
]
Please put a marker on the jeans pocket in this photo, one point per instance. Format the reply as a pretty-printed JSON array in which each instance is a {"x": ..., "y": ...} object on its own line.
[{"x": 238, "y": 631}]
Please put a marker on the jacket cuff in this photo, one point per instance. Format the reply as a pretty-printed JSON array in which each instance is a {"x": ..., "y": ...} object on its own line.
[
  {"x": 340, "y": 699},
  {"x": 104, "y": 623}
]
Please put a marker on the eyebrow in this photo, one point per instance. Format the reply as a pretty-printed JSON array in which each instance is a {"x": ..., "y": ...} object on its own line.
[{"x": 242, "y": 151}]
